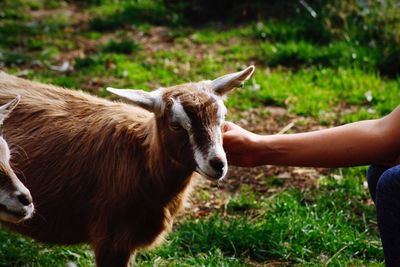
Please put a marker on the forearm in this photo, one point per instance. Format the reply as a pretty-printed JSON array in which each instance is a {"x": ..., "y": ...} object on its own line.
[{"x": 359, "y": 143}]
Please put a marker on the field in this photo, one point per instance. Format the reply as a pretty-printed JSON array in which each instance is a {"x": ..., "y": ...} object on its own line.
[{"x": 305, "y": 80}]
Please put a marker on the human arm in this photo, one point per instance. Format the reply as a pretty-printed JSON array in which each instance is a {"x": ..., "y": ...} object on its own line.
[{"x": 360, "y": 143}]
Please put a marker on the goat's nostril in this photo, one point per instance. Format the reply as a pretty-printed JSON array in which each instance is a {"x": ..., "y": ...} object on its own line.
[
  {"x": 25, "y": 200},
  {"x": 217, "y": 164}
]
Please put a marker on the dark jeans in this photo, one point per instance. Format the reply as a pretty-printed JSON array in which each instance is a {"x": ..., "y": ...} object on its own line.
[{"x": 384, "y": 186}]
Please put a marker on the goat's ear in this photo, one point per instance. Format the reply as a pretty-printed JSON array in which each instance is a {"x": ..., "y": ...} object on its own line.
[
  {"x": 226, "y": 83},
  {"x": 6, "y": 109},
  {"x": 147, "y": 100}
]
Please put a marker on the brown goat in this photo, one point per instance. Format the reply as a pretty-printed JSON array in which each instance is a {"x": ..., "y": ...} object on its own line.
[{"x": 111, "y": 174}]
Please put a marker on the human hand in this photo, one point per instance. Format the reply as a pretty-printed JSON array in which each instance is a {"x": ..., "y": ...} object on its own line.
[{"x": 240, "y": 145}]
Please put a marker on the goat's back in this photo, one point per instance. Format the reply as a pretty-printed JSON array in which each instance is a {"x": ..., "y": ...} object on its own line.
[{"x": 72, "y": 151}]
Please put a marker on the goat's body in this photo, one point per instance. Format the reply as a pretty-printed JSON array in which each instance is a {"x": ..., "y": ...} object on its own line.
[{"x": 93, "y": 168}]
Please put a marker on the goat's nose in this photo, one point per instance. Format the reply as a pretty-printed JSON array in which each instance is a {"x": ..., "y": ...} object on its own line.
[
  {"x": 217, "y": 164},
  {"x": 24, "y": 199}
]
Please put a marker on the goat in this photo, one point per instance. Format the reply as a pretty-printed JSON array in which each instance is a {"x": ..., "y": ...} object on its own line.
[
  {"x": 15, "y": 199},
  {"x": 112, "y": 174}
]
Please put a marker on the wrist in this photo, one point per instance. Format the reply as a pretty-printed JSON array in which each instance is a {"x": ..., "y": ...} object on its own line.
[{"x": 258, "y": 147}]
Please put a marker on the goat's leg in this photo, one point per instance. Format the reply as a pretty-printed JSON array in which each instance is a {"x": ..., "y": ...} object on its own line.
[{"x": 107, "y": 256}]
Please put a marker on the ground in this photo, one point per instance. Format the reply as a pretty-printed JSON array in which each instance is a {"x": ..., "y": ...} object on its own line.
[{"x": 266, "y": 216}]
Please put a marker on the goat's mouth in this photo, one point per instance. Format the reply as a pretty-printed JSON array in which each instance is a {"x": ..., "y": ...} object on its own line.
[
  {"x": 14, "y": 215},
  {"x": 208, "y": 176}
]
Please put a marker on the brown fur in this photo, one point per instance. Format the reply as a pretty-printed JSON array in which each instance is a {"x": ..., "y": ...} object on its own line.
[{"x": 101, "y": 172}]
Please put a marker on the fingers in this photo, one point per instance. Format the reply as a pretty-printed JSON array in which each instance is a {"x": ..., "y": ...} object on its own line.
[
  {"x": 227, "y": 126},
  {"x": 230, "y": 126}
]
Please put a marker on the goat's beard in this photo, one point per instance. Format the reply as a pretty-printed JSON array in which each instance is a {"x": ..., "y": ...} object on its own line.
[{"x": 203, "y": 174}]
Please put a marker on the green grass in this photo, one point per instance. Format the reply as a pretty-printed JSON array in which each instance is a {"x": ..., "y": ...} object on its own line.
[
  {"x": 310, "y": 71},
  {"x": 300, "y": 53},
  {"x": 315, "y": 91},
  {"x": 16, "y": 250},
  {"x": 124, "y": 46},
  {"x": 117, "y": 14},
  {"x": 310, "y": 79}
]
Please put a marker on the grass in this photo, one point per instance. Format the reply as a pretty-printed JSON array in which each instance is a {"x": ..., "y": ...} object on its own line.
[
  {"x": 293, "y": 72},
  {"x": 113, "y": 15},
  {"x": 124, "y": 46},
  {"x": 315, "y": 91},
  {"x": 19, "y": 251},
  {"x": 313, "y": 75}
]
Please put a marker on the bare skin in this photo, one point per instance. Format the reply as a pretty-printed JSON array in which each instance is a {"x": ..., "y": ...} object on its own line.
[{"x": 360, "y": 143}]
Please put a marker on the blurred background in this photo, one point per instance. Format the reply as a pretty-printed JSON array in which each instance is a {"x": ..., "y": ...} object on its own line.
[{"x": 318, "y": 64}]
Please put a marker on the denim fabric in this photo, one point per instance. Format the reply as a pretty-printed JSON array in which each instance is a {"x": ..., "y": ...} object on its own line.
[{"x": 384, "y": 186}]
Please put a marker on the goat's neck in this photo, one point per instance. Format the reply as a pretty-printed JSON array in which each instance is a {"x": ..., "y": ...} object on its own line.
[{"x": 160, "y": 163}]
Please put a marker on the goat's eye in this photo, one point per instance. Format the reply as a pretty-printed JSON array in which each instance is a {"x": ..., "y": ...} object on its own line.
[{"x": 175, "y": 126}]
